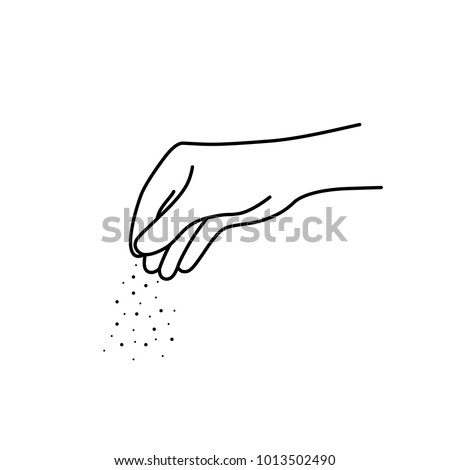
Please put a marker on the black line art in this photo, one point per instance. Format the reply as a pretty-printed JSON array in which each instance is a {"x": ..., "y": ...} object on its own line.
[{"x": 190, "y": 163}]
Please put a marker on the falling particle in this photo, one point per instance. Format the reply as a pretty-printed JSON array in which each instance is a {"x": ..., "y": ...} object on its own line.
[
  {"x": 117, "y": 301},
  {"x": 135, "y": 264},
  {"x": 132, "y": 329},
  {"x": 157, "y": 282},
  {"x": 161, "y": 310},
  {"x": 124, "y": 313},
  {"x": 156, "y": 297},
  {"x": 149, "y": 316},
  {"x": 140, "y": 303},
  {"x": 174, "y": 310},
  {"x": 135, "y": 341},
  {"x": 162, "y": 355},
  {"x": 104, "y": 350},
  {"x": 117, "y": 323},
  {"x": 156, "y": 339},
  {"x": 121, "y": 344},
  {"x": 133, "y": 293},
  {"x": 171, "y": 339},
  {"x": 168, "y": 323},
  {"x": 133, "y": 276},
  {"x": 137, "y": 313},
  {"x": 154, "y": 329},
  {"x": 145, "y": 285},
  {"x": 123, "y": 282},
  {"x": 111, "y": 336},
  {"x": 145, "y": 344},
  {"x": 133, "y": 358}
]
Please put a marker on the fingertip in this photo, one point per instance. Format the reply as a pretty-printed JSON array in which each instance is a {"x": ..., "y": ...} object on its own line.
[{"x": 152, "y": 262}]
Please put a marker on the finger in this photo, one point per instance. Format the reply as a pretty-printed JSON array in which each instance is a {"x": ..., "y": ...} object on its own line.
[
  {"x": 171, "y": 257},
  {"x": 171, "y": 226},
  {"x": 151, "y": 262},
  {"x": 213, "y": 228},
  {"x": 197, "y": 246}
]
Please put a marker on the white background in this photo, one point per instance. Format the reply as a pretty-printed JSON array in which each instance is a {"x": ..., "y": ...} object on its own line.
[{"x": 337, "y": 348}]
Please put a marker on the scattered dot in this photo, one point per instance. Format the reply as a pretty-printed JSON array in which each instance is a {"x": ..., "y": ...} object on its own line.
[
  {"x": 154, "y": 329},
  {"x": 174, "y": 310},
  {"x": 123, "y": 282},
  {"x": 137, "y": 313},
  {"x": 133, "y": 358},
  {"x": 117, "y": 301},
  {"x": 156, "y": 339},
  {"x": 133, "y": 276},
  {"x": 132, "y": 329},
  {"x": 135, "y": 341},
  {"x": 104, "y": 350},
  {"x": 140, "y": 303},
  {"x": 145, "y": 285},
  {"x": 161, "y": 310},
  {"x": 111, "y": 336},
  {"x": 156, "y": 297},
  {"x": 135, "y": 264},
  {"x": 117, "y": 323},
  {"x": 133, "y": 293},
  {"x": 149, "y": 316},
  {"x": 124, "y": 313},
  {"x": 168, "y": 323},
  {"x": 145, "y": 344},
  {"x": 157, "y": 282},
  {"x": 162, "y": 355},
  {"x": 171, "y": 339},
  {"x": 121, "y": 344}
]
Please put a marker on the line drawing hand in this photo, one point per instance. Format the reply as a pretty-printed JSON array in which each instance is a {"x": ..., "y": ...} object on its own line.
[{"x": 235, "y": 184}]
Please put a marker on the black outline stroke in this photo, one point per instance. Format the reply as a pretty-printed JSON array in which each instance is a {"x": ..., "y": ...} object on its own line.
[{"x": 165, "y": 207}]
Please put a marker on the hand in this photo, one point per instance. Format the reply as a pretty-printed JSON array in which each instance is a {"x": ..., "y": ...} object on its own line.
[{"x": 232, "y": 184}]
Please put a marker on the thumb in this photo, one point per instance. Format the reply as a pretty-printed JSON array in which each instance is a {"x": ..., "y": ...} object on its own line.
[{"x": 147, "y": 241}]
